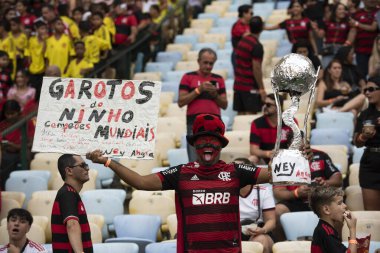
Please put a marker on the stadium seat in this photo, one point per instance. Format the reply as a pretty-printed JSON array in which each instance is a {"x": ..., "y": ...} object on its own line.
[
  {"x": 230, "y": 14},
  {"x": 116, "y": 247},
  {"x": 213, "y": 16},
  {"x": 306, "y": 223},
  {"x": 172, "y": 57},
  {"x": 118, "y": 193},
  {"x": 18, "y": 196},
  {"x": 45, "y": 174},
  {"x": 292, "y": 247},
  {"x": 238, "y": 139},
  {"x": 186, "y": 66},
  {"x": 105, "y": 175},
  {"x": 182, "y": 39},
  {"x": 161, "y": 247},
  {"x": 367, "y": 222},
  {"x": 151, "y": 76},
  {"x": 96, "y": 233},
  {"x": 137, "y": 225},
  {"x": 205, "y": 23},
  {"x": 97, "y": 219},
  {"x": 171, "y": 87},
  {"x": 226, "y": 22},
  {"x": 225, "y": 64},
  {"x": 182, "y": 48},
  {"x": 159, "y": 67},
  {"x": 344, "y": 121},
  {"x": 251, "y": 247},
  {"x": 172, "y": 222},
  {"x": 357, "y": 154},
  {"x": 6, "y": 205},
  {"x": 200, "y": 45},
  {"x": 177, "y": 156},
  {"x": 200, "y": 32},
  {"x": 174, "y": 76},
  {"x": 175, "y": 111},
  {"x": 174, "y": 125},
  {"x": 220, "y": 10},
  {"x": 330, "y": 136},
  {"x": 353, "y": 178},
  {"x": 229, "y": 154},
  {"x": 164, "y": 142},
  {"x": 354, "y": 198},
  {"x": 219, "y": 39},
  {"x": 26, "y": 184},
  {"x": 243, "y": 122},
  {"x": 221, "y": 30}
]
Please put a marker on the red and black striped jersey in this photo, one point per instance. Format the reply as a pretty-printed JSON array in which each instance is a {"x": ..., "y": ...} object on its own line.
[
  {"x": 336, "y": 32},
  {"x": 207, "y": 204},
  {"x": 364, "y": 39},
  {"x": 68, "y": 205},
  {"x": 248, "y": 49},
  {"x": 297, "y": 29}
]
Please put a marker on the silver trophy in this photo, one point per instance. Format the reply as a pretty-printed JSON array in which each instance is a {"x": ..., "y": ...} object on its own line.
[{"x": 293, "y": 74}]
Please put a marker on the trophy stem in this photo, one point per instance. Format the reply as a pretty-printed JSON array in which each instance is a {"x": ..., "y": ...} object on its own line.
[
  {"x": 311, "y": 97},
  {"x": 279, "y": 121},
  {"x": 288, "y": 118}
]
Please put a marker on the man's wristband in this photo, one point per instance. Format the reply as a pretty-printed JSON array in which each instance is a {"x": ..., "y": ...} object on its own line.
[
  {"x": 295, "y": 192},
  {"x": 353, "y": 242},
  {"x": 108, "y": 162}
]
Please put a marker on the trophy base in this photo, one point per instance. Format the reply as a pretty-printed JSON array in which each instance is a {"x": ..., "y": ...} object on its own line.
[{"x": 290, "y": 167}]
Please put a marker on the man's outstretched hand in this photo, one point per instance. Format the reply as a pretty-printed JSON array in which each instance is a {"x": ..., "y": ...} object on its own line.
[{"x": 96, "y": 156}]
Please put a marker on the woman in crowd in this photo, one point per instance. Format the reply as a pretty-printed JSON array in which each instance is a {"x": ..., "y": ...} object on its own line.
[
  {"x": 334, "y": 31},
  {"x": 367, "y": 133},
  {"x": 297, "y": 27},
  {"x": 350, "y": 72},
  {"x": 374, "y": 60},
  {"x": 303, "y": 47},
  {"x": 334, "y": 93},
  {"x": 21, "y": 91}
]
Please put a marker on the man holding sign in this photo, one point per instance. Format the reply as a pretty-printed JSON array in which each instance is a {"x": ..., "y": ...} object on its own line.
[{"x": 207, "y": 191}]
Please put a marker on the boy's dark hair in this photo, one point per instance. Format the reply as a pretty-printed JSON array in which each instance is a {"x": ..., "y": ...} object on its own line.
[
  {"x": 63, "y": 9},
  {"x": 21, "y": 213},
  {"x": 78, "y": 42},
  {"x": 98, "y": 13},
  {"x": 55, "y": 20},
  {"x": 322, "y": 195},
  {"x": 244, "y": 9},
  {"x": 84, "y": 26},
  {"x": 156, "y": 7},
  {"x": 64, "y": 161},
  {"x": 256, "y": 25},
  {"x": 39, "y": 23},
  {"x": 49, "y": 6},
  {"x": 78, "y": 9},
  {"x": 10, "y": 106}
]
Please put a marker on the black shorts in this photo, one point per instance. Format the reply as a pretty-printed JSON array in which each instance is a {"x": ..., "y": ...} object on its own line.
[
  {"x": 369, "y": 173},
  {"x": 296, "y": 205},
  {"x": 245, "y": 101}
]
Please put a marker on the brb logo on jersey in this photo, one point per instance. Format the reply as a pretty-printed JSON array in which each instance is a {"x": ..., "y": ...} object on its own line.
[{"x": 210, "y": 198}]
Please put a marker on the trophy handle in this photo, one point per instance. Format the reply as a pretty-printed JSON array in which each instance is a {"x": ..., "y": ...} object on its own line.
[
  {"x": 311, "y": 97},
  {"x": 279, "y": 121}
]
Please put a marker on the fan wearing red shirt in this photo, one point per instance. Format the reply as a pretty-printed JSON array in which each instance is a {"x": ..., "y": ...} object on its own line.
[
  {"x": 207, "y": 191},
  {"x": 126, "y": 26}
]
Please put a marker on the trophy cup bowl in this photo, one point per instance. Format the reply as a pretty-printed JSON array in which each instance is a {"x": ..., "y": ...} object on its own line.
[{"x": 293, "y": 74}]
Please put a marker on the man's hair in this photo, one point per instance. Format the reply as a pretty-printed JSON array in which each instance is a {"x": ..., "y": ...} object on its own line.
[
  {"x": 97, "y": 13},
  {"x": 79, "y": 42},
  {"x": 256, "y": 25},
  {"x": 244, "y": 9},
  {"x": 208, "y": 50},
  {"x": 322, "y": 195},
  {"x": 20, "y": 213},
  {"x": 49, "y": 7},
  {"x": 64, "y": 161},
  {"x": 271, "y": 96}
]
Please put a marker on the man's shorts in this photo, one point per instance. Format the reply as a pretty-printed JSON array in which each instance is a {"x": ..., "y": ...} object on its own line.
[{"x": 246, "y": 101}]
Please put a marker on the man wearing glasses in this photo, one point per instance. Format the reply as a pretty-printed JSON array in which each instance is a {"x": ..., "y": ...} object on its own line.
[
  {"x": 69, "y": 224},
  {"x": 264, "y": 132}
]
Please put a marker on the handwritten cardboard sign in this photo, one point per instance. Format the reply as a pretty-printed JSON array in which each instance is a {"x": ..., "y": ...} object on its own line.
[{"x": 80, "y": 115}]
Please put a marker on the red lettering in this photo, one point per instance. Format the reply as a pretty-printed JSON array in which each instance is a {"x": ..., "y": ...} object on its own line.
[
  {"x": 131, "y": 93},
  {"x": 111, "y": 115},
  {"x": 152, "y": 134},
  {"x": 70, "y": 91},
  {"x": 141, "y": 133},
  {"x": 102, "y": 92},
  {"x": 128, "y": 133}
]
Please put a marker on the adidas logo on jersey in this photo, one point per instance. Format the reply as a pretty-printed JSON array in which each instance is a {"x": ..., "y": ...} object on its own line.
[{"x": 194, "y": 178}]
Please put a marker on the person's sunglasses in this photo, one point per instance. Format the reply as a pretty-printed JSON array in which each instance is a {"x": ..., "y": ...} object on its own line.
[
  {"x": 371, "y": 89},
  {"x": 82, "y": 165}
]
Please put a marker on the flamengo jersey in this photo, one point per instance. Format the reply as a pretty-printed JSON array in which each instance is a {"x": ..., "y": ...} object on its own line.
[
  {"x": 207, "y": 204},
  {"x": 30, "y": 247},
  {"x": 68, "y": 205}
]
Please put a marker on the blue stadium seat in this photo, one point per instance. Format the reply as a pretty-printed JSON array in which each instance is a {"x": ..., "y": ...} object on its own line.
[
  {"x": 224, "y": 54},
  {"x": 105, "y": 175},
  {"x": 174, "y": 76},
  {"x": 306, "y": 223},
  {"x": 141, "y": 226},
  {"x": 45, "y": 174},
  {"x": 199, "y": 46},
  {"x": 209, "y": 15},
  {"x": 171, "y": 87},
  {"x": 182, "y": 39},
  {"x": 263, "y": 6},
  {"x": 330, "y": 136},
  {"x": 121, "y": 247},
  {"x": 221, "y": 30},
  {"x": 177, "y": 156},
  {"x": 337, "y": 120},
  {"x": 226, "y": 22},
  {"x": 172, "y": 57},
  {"x": 159, "y": 67},
  {"x": 162, "y": 247},
  {"x": 226, "y": 64}
]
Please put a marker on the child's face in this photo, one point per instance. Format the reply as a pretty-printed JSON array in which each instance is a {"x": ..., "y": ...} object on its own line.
[
  {"x": 77, "y": 16},
  {"x": 59, "y": 26},
  {"x": 15, "y": 27},
  {"x": 4, "y": 61},
  {"x": 337, "y": 209},
  {"x": 79, "y": 50},
  {"x": 96, "y": 21},
  {"x": 20, "y": 79},
  {"x": 42, "y": 31}
]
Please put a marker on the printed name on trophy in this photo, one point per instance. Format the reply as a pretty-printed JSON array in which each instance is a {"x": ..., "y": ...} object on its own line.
[{"x": 284, "y": 169}]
